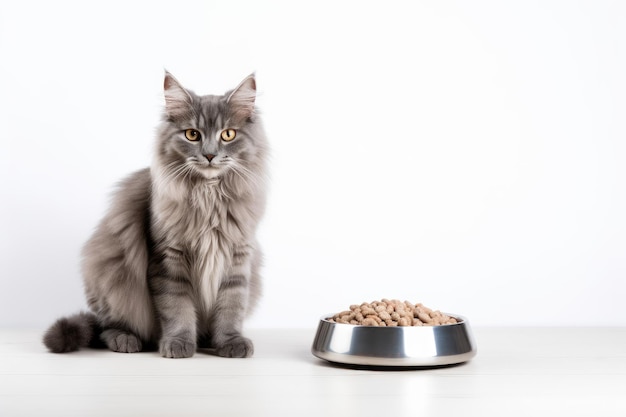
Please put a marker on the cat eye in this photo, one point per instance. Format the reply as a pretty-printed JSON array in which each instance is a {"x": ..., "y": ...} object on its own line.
[
  {"x": 228, "y": 134},
  {"x": 192, "y": 135}
]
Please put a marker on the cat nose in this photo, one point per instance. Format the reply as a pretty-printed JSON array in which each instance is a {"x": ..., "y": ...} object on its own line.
[{"x": 209, "y": 156}]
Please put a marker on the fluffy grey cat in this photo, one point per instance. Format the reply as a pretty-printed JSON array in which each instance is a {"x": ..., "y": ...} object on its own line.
[{"x": 174, "y": 263}]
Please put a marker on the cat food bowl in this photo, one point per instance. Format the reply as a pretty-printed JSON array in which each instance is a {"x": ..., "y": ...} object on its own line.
[{"x": 401, "y": 346}]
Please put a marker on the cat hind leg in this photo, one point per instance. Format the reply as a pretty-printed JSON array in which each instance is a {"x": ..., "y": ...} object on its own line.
[{"x": 122, "y": 341}]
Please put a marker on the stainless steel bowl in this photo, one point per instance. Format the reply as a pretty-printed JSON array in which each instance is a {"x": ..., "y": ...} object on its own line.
[{"x": 410, "y": 346}]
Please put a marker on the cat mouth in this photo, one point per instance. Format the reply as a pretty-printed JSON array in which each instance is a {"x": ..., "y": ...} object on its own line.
[
  {"x": 210, "y": 173},
  {"x": 211, "y": 176}
]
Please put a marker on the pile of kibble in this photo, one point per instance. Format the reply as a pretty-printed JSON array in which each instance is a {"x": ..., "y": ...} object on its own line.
[{"x": 392, "y": 313}]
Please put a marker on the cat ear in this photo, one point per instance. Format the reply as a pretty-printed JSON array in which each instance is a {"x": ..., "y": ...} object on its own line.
[
  {"x": 241, "y": 99},
  {"x": 177, "y": 99}
]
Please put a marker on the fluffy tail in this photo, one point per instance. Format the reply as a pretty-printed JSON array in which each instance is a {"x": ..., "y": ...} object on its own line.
[{"x": 68, "y": 334}]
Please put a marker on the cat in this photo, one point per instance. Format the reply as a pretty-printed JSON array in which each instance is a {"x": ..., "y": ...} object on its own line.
[{"x": 174, "y": 264}]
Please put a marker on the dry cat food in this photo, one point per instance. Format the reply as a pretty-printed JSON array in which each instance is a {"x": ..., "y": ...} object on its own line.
[{"x": 391, "y": 313}]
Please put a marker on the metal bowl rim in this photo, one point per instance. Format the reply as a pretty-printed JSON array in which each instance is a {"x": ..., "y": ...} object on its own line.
[{"x": 461, "y": 320}]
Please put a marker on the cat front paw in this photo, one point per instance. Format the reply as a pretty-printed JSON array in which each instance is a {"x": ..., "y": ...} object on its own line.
[
  {"x": 238, "y": 347},
  {"x": 175, "y": 347}
]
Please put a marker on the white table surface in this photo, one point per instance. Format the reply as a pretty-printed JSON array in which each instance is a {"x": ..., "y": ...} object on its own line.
[{"x": 517, "y": 372}]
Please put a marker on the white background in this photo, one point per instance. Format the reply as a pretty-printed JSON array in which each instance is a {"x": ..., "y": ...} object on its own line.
[{"x": 468, "y": 155}]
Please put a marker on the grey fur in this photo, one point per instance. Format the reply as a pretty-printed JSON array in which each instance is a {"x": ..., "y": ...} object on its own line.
[{"x": 175, "y": 259}]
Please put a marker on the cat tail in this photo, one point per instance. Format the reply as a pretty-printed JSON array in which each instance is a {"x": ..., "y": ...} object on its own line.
[{"x": 68, "y": 334}]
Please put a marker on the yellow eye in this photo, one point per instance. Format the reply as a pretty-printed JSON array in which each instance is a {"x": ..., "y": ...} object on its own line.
[
  {"x": 228, "y": 134},
  {"x": 192, "y": 135}
]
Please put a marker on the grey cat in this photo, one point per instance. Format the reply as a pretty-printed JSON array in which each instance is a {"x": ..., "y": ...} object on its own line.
[{"x": 174, "y": 263}]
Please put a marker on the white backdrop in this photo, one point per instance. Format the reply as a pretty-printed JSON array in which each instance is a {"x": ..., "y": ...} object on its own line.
[{"x": 468, "y": 155}]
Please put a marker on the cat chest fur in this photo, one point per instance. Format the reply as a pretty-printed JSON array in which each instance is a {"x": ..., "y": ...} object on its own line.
[{"x": 197, "y": 232}]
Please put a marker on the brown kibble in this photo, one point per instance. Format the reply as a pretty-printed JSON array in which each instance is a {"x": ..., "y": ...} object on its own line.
[
  {"x": 369, "y": 322},
  {"x": 425, "y": 318},
  {"x": 392, "y": 313},
  {"x": 375, "y": 317},
  {"x": 368, "y": 311},
  {"x": 404, "y": 321}
]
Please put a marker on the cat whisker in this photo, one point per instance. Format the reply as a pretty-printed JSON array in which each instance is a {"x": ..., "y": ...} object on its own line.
[
  {"x": 242, "y": 173},
  {"x": 236, "y": 171},
  {"x": 174, "y": 172},
  {"x": 246, "y": 174},
  {"x": 182, "y": 172}
]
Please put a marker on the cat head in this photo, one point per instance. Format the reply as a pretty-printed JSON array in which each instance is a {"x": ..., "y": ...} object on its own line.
[{"x": 210, "y": 138}]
